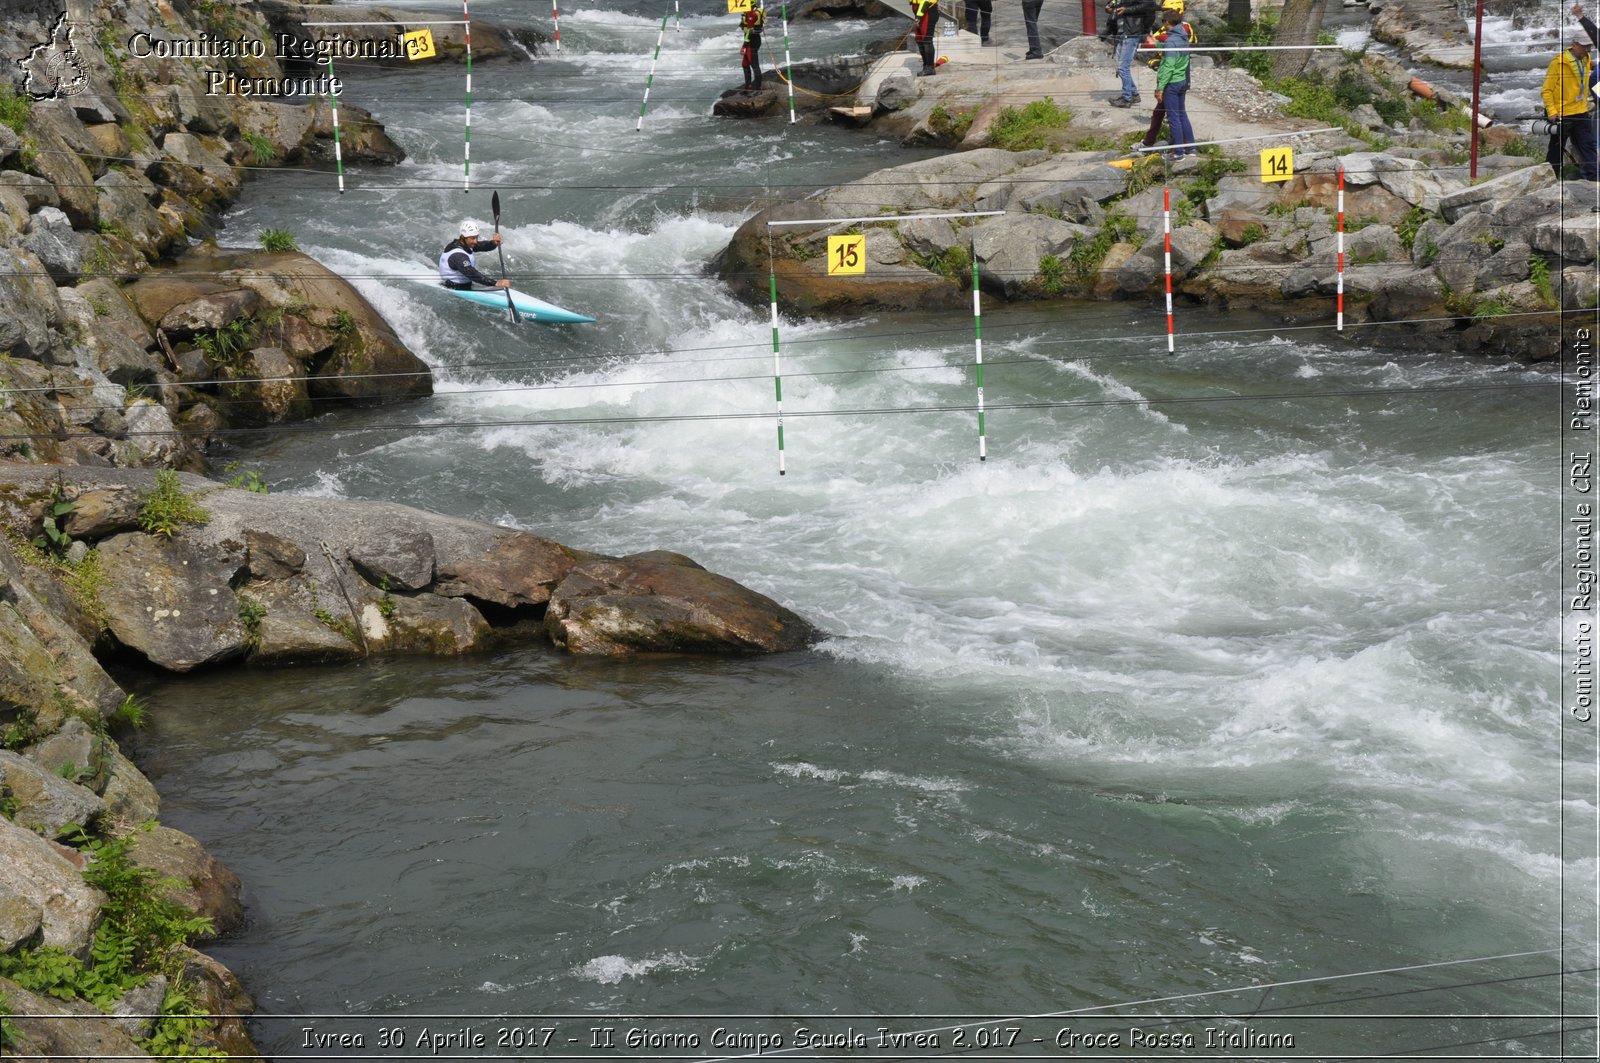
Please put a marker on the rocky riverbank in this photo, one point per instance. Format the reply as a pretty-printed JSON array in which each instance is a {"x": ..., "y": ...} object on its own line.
[{"x": 1432, "y": 257}]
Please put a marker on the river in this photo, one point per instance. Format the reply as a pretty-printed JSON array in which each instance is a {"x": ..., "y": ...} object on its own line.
[{"x": 1227, "y": 668}]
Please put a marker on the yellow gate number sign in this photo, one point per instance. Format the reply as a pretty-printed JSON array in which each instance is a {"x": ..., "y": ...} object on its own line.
[
  {"x": 1277, "y": 164},
  {"x": 418, "y": 44},
  {"x": 736, "y": 7},
  {"x": 847, "y": 254}
]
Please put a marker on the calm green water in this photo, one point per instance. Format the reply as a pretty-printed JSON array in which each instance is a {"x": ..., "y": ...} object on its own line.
[{"x": 1159, "y": 701}]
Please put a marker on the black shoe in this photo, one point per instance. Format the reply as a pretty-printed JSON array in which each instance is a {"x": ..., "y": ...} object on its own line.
[
  {"x": 1033, "y": 55},
  {"x": 1122, "y": 101},
  {"x": 987, "y": 43},
  {"x": 925, "y": 72}
]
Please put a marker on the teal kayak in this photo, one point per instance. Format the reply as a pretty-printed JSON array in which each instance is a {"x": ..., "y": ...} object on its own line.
[{"x": 530, "y": 308}]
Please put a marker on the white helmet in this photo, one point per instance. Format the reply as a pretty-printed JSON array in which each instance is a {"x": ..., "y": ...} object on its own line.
[{"x": 469, "y": 228}]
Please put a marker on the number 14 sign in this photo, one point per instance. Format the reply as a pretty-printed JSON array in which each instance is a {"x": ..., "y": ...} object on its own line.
[{"x": 1277, "y": 164}]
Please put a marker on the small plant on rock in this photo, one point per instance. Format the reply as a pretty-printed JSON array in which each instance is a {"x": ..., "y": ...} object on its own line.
[
  {"x": 278, "y": 240},
  {"x": 167, "y": 507}
]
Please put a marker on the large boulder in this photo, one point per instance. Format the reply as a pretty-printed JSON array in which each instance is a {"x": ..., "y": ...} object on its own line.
[
  {"x": 46, "y": 802},
  {"x": 69, "y": 908},
  {"x": 207, "y": 887},
  {"x": 66, "y": 1029},
  {"x": 513, "y": 571},
  {"x": 170, "y": 600},
  {"x": 668, "y": 604}
]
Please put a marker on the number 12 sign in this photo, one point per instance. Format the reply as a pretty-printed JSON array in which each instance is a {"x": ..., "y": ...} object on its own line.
[{"x": 847, "y": 254}]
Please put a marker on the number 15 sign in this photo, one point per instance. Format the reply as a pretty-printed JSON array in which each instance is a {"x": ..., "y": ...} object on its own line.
[{"x": 847, "y": 254}]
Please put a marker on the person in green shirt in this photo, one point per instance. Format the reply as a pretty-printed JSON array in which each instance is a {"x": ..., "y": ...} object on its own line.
[{"x": 1172, "y": 81}]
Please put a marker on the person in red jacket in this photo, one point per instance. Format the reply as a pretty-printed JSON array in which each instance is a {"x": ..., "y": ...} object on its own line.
[{"x": 750, "y": 25}]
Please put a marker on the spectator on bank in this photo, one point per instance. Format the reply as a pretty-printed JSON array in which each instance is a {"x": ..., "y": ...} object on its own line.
[
  {"x": 1133, "y": 19},
  {"x": 980, "y": 16},
  {"x": 1172, "y": 81},
  {"x": 1030, "y": 22},
  {"x": 926, "y": 12},
  {"x": 1588, "y": 25},
  {"x": 1569, "y": 106}
]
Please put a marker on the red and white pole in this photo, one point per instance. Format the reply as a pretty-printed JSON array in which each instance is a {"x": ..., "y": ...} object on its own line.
[
  {"x": 1166, "y": 237},
  {"x": 555, "y": 16},
  {"x": 1340, "y": 282}
]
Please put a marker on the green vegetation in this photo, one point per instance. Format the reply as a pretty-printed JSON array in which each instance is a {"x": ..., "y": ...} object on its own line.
[
  {"x": 245, "y": 479},
  {"x": 1214, "y": 165},
  {"x": 1539, "y": 276},
  {"x": 224, "y": 348},
  {"x": 1252, "y": 233},
  {"x": 262, "y": 151},
  {"x": 1086, "y": 255},
  {"x": 1498, "y": 306},
  {"x": 9, "y": 1034},
  {"x": 1030, "y": 127},
  {"x": 949, "y": 126},
  {"x": 275, "y": 241},
  {"x": 1052, "y": 274},
  {"x": 954, "y": 262},
  {"x": 131, "y": 713},
  {"x": 344, "y": 326},
  {"x": 52, "y": 539},
  {"x": 251, "y": 612},
  {"x": 167, "y": 507},
  {"x": 14, "y": 108},
  {"x": 139, "y": 935},
  {"x": 1411, "y": 224},
  {"x": 387, "y": 606},
  {"x": 1257, "y": 33}
]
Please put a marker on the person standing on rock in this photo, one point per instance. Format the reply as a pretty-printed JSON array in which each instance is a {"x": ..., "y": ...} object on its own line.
[
  {"x": 1569, "y": 105},
  {"x": 926, "y": 12},
  {"x": 980, "y": 16},
  {"x": 458, "y": 262},
  {"x": 750, "y": 25},
  {"x": 1134, "y": 20},
  {"x": 1172, "y": 81},
  {"x": 1030, "y": 22}
]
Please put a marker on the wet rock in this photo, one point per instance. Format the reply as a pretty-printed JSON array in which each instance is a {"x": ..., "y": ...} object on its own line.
[
  {"x": 50, "y": 237},
  {"x": 514, "y": 571},
  {"x": 398, "y": 559},
  {"x": 628, "y": 606},
  {"x": 170, "y": 601},
  {"x": 130, "y": 799},
  {"x": 103, "y": 512},
  {"x": 46, "y": 802},
  {"x": 213, "y": 891},
  {"x": 210, "y": 312},
  {"x": 32, "y": 867},
  {"x": 20, "y": 918}
]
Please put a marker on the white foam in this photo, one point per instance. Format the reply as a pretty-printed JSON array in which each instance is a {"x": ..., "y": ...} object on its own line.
[{"x": 611, "y": 970}]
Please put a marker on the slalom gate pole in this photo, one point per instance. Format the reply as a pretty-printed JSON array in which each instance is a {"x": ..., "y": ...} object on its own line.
[
  {"x": 1166, "y": 240},
  {"x": 677, "y": 17},
  {"x": 777, "y": 364},
  {"x": 555, "y": 16},
  {"x": 466, "y": 138},
  {"x": 977, "y": 348},
  {"x": 650, "y": 80},
  {"x": 338, "y": 150},
  {"x": 1339, "y": 327},
  {"x": 788, "y": 67}
]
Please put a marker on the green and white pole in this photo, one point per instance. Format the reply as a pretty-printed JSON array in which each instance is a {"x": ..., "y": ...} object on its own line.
[
  {"x": 788, "y": 67},
  {"x": 651, "y": 79},
  {"x": 466, "y": 145},
  {"x": 777, "y": 367},
  {"x": 677, "y": 17},
  {"x": 977, "y": 348},
  {"x": 333, "y": 105}
]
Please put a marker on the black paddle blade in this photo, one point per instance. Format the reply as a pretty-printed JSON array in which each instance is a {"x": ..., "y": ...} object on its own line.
[{"x": 494, "y": 205}]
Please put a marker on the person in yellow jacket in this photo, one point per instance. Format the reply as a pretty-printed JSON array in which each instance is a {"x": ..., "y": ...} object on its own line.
[
  {"x": 926, "y": 12},
  {"x": 1570, "y": 106}
]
